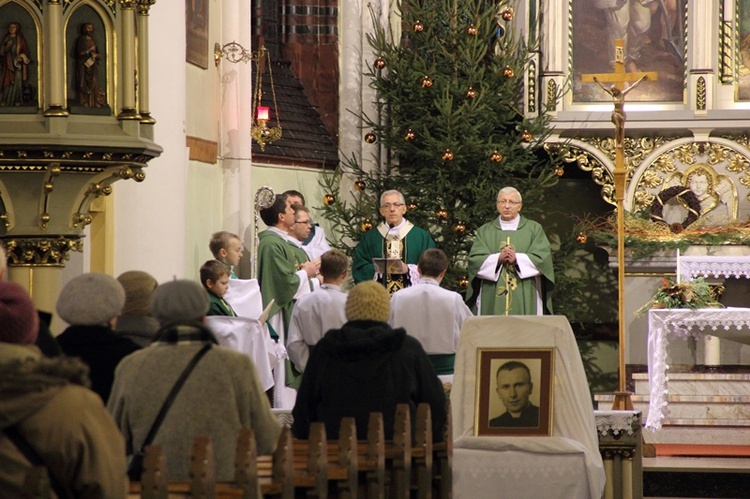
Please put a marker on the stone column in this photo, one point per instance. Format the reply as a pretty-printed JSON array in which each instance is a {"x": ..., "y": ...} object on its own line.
[
  {"x": 143, "y": 73},
  {"x": 54, "y": 60},
  {"x": 127, "y": 39}
]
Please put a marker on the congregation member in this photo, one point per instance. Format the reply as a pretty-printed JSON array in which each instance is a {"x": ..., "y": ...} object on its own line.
[
  {"x": 320, "y": 311},
  {"x": 220, "y": 395},
  {"x": 431, "y": 314},
  {"x": 48, "y": 417},
  {"x": 135, "y": 321},
  {"x": 91, "y": 304},
  {"x": 395, "y": 237},
  {"x": 215, "y": 279},
  {"x": 226, "y": 247},
  {"x": 510, "y": 263},
  {"x": 367, "y": 366},
  {"x": 315, "y": 243}
]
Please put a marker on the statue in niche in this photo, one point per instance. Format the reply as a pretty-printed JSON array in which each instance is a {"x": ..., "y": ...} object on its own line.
[
  {"x": 14, "y": 71},
  {"x": 716, "y": 194},
  {"x": 89, "y": 92}
]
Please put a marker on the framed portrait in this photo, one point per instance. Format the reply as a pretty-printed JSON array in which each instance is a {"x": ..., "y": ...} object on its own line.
[
  {"x": 196, "y": 21},
  {"x": 656, "y": 40},
  {"x": 514, "y": 392}
]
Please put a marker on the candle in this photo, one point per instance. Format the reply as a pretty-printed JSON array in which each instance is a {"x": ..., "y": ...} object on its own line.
[
  {"x": 678, "y": 265},
  {"x": 262, "y": 113}
]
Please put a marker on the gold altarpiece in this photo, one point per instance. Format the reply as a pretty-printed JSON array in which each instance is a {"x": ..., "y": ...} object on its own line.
[{"x": 73, "y": 122}]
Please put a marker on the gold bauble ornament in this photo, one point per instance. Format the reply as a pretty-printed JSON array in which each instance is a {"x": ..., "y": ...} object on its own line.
[
  {"x": 441, "y": 214},
  {"x": 496, "y": 157},
  {"x": 426, "y": 82},
  {"x": 459, "y": 228},
  {"x": 448, "y": 155},
  {"x": 329, "y": 199},
  {"x": 418, "y": 27},
  {"x": 471, "y": 30},
  {"x": 379, "y": 63},
  {"x": 359, "y": 185},
  {"x": 526, "y": 136},
  {"x": 507, "y": 14},
  {"x": 463, "y": 283},
  {"x": 370, "y": 137},
  {"x": 409, "y": 135},
  {"x": 366, "y": 225},
  {"x": 471, "y": 93},
  {"x": 508, "y": 72},
  {"x": 559, "y": 171},
  {"x": 581, "y": 238}
]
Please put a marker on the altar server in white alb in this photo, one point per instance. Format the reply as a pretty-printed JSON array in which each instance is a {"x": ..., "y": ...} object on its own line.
[
  {"x": 432, "y": 314},
  {"x": 320, "y": 311},
  {"x": 315, "y": 243}
]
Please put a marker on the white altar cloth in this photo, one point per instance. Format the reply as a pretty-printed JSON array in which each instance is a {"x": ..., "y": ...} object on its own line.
[
  {"x": 565, "y": 464},
  {"x": 691, "y": 267},
  {"x": 664, "y": 324},
  {"x": 248, "y": 336}
]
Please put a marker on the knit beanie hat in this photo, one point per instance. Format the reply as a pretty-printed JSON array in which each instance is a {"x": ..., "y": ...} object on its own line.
[
  {"x": 138, "y": 288},
  {"x": 368, "y": 301},
  {"x": 19, "y": 322},
  {"x": 179, "y": 300},
  {"x": 90, "y": 299}
]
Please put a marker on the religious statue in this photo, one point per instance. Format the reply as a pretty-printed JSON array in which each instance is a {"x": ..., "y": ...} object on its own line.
[
  {"x": 15, "y": 61},
  {"x": 90, "y": 93},
  {"x": 714, "y": 193},
  {"x": 618, "y": 114}
]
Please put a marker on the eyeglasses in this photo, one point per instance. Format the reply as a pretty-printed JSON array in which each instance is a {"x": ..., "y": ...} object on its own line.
[
  {"x": 387, "y": 206},
  {"x": 509, "y": 202},
  {"x": 303, "y": 222}
]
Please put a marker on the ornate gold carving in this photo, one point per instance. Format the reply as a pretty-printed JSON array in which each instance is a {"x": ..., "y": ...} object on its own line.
[
  {"x": 700, "y": 94},
  {"x": 531, "y": 87},
  {"x": 144, "y": 6},
  {"x": 49, "y": 154},
  {"x": 22, "y": 154},
  {"x": 552, "y": 95},
  {"x": 127, "y": 4},
  {"x": 41, "y": 252},
  {"x": 139, "y": 176}
]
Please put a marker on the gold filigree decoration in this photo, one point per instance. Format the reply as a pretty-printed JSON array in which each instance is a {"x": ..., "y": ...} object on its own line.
[
  {"x": 700, "y": 94},
  {"x": 665, "y": 164},
  {"x": 651, "y": 179},
  {"x": 643, "y": 197},
  {"x": 41, "y": 252},
  {"x": 552, "y": 95}
]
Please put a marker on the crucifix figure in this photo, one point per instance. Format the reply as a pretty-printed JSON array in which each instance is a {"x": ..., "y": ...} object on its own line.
[{"x": 617, "y": 92}]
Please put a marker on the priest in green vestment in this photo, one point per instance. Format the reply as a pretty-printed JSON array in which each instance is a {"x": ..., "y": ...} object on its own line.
[
  {"x": 510, "y": 263},
  {"x": 401, "y": 240}
]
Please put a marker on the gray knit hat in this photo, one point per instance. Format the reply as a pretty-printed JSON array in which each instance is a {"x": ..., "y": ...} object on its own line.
[
  {"x": 138, "y": 288},
  {"x": 179, "y": 300},
  {"x": 368, "y": 301},
  {"x": 90, "y": 299}
]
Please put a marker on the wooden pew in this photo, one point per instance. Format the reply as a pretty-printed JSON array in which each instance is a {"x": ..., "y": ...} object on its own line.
[{"x": 347, "y": 468}]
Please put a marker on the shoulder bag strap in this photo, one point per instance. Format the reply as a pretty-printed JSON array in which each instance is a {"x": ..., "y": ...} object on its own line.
[
  {"x": 170, "y": 398},
  {"x": 35, "y": 459}
]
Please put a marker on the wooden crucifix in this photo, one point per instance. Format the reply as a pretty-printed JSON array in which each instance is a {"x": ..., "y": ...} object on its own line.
[{"x": 617, "y": 92}]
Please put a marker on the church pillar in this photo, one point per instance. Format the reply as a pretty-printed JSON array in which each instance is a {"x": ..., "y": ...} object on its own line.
[
  {"x": 702, "y": 72},
  {"x": 55, "y": 59},
  {"x": 42, "y": 283},
  {"x": 236, "y": 117},
  {"x": 143, "y": 73},
  {"x": 128, "y": 111},
  {"x": 555, "y": 35}
]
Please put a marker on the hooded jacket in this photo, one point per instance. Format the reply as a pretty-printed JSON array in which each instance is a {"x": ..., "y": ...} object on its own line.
[
  {"x": 66, "y": 423},
  {"x": 364, "y": 367}
]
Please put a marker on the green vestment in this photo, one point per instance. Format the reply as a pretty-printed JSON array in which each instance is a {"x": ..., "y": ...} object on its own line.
[
  {"x": 371, "y": 246},
  {"x": 528, "y": 239},
  {"x": 278, "y": 264}
]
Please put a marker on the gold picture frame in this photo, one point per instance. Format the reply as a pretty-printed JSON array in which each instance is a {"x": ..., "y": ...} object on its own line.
[{"x": 514, "y": 392}]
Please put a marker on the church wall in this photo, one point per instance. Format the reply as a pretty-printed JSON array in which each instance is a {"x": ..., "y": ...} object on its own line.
[{"x": 150, "y": 223}]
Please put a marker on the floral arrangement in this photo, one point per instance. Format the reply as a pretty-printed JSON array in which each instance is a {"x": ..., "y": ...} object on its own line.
[{"x": 686, "y": 294}]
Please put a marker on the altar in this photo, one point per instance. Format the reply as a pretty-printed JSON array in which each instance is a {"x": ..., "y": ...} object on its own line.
[{"x": 668, "y": 324}]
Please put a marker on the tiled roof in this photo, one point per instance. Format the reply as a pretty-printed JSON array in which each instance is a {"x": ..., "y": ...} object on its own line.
[{"x": 304, "y": 139}]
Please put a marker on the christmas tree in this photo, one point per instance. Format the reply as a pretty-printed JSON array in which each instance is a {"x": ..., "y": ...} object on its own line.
[{"x": 455, "y": 123}]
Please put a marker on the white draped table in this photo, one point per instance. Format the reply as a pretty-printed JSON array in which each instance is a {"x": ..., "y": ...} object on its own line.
[{"x": 666, "y": 324}]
